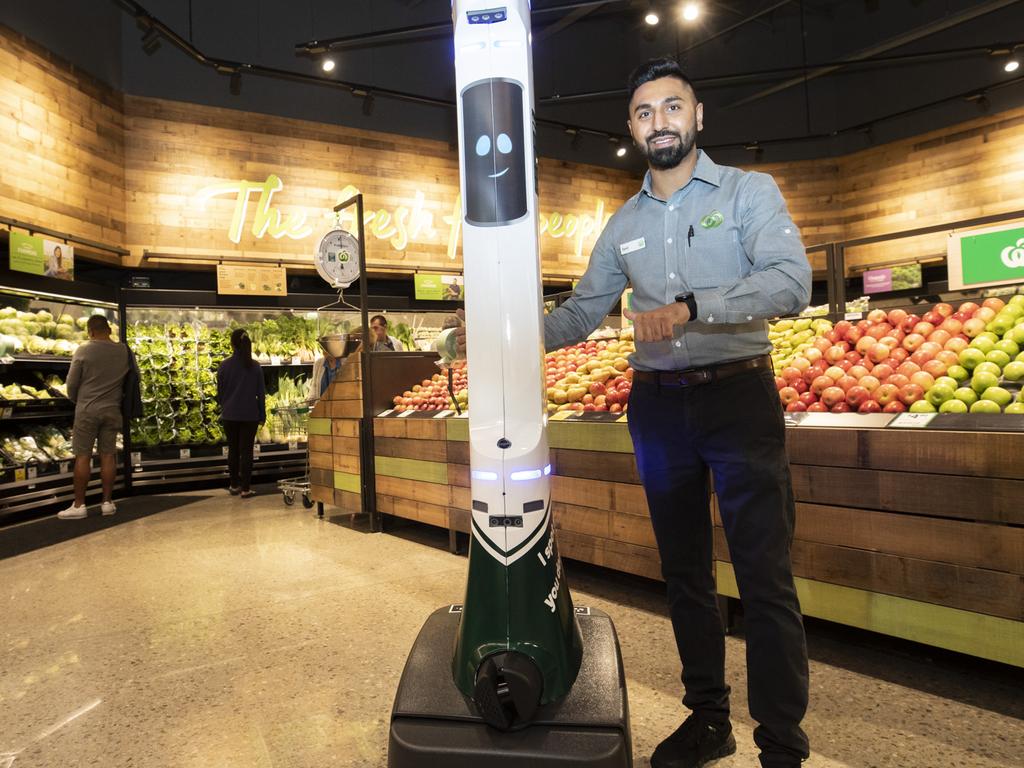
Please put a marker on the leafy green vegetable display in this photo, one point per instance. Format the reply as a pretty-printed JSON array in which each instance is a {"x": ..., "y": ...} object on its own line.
[{"x": 40, "y": 333}]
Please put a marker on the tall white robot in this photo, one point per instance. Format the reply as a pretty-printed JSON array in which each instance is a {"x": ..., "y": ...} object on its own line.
[{"x": 519, "y": 674}]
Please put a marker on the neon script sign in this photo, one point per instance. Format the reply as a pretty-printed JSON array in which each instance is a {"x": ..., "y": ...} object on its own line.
[{"x": 399, "y": 226}]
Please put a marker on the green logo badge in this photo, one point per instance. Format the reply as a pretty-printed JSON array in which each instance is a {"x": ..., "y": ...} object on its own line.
[{"x": 712, "y": 220}]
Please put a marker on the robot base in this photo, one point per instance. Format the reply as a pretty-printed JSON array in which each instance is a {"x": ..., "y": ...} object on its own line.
[{"x": 433, "y": 724}]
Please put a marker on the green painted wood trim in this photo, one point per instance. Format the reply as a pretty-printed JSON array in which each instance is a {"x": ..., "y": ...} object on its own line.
[
  {"x": 988, "y": 637},
  {"x": 319, "y": 426},
  {"x": 347, "y": 481},
  {"x": 458, "y": 429},
  {"x": 412, "y": 469},
  {"x": 584, "y": 436}
]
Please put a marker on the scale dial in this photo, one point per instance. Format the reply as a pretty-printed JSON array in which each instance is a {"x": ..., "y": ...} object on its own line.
[{"x": 337, "y": 258}]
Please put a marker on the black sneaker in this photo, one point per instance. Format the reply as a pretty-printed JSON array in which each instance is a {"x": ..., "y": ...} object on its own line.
[{"x": 694, "y": 743}]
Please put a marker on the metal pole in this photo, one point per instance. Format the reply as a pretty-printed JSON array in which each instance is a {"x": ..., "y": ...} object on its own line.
[{"x": 366, "y": 463}]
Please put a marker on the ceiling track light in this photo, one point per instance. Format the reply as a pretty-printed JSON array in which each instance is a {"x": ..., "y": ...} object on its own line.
[
  {"x": 651, "y": 18},
  {"x": 150, "y": 41},
  {"x": 691, "y": 11},
  {"x": 327, "y": 64},
  {"x": 1011, "y": 66},
  {"x": 620, "y": 151}
]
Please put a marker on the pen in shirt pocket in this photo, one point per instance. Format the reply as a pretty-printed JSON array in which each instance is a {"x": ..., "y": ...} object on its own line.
[{"x": 689, "y": 237}]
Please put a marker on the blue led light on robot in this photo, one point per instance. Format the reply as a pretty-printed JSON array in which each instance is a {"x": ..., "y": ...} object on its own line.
[
  {"x": 480, "y": 474},
  {"x": 507, "y": 43},
  {"x": 547, "y": 470},
  {"x": 526, "y": 474}
]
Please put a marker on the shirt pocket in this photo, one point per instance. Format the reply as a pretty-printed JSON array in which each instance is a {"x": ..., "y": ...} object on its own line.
[{"x": 716, "y": 258}]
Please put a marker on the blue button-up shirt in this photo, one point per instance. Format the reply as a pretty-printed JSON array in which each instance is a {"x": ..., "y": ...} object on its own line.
[{"x": 725, "y": 236}]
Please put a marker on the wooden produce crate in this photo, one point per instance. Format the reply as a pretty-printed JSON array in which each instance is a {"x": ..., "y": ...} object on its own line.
[{"x": 334, "y": 441}]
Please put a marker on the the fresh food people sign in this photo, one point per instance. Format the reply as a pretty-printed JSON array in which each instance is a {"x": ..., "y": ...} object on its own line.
[{"x": 991, "y": 256}]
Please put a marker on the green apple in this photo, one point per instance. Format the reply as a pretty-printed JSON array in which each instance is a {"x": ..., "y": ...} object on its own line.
[
  {"x": 998, "y": 357},
  {"x": 1019, "y": 358},
  {"x": 1015, "y": 408},
  {"x": 982, "y": 381},
  {"x": 953, "y": 406},
  {"x": 989, "y": 366},
  {"x": 1013, "y": 310},
  {"x": 1009, "y": 346},
  {"x": 969, "y": 358},
  {"x": 1014, "y": 371},
  {"x": 967, "y": 395},
  {"x": 939, "y": 393},
  {"x": 958, "y": 373},
  {"x": 1016, "y": 335},
  {"x": 1017, "y": 300},
  {"x": 997, "y": 395},
  {"x": 986, "y": 406},
  {"x": 947, "y": 381},
  {"x": 921, "y": 406},
  {"x": 984, "y": 343},
  {"x": 1000, "y": 324}
]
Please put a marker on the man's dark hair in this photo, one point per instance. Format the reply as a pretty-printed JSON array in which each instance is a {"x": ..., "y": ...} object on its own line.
[
  {"x": 655, "y": 69},
  {"x": 383, "y": 320},
  {"x": 98, "y": 324}
]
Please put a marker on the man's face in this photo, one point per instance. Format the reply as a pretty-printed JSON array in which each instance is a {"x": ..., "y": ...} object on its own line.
[
  {"x": 664, "y": 118},
  {"x": 380, "y": 331}
]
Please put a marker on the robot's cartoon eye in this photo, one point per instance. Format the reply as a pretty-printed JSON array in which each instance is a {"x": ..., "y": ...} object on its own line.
[
  {"x": 483, "y": 145},
  {"x": 504, "y": 143}
]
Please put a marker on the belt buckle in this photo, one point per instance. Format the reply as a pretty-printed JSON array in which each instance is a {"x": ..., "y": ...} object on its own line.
[{"x": 690, "y": 378}]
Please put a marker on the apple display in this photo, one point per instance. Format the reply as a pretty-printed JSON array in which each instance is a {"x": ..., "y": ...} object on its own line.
[{"x": 953, "y": 406}]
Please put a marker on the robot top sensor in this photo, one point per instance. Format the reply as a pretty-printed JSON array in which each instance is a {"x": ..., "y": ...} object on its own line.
[{"x": 515, "y": 675}]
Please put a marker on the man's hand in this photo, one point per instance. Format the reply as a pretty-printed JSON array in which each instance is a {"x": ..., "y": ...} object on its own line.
[{"x": 657, "y": 324}]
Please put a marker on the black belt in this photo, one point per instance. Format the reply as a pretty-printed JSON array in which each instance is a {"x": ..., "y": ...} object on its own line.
[{"x": 705, "y": 375}]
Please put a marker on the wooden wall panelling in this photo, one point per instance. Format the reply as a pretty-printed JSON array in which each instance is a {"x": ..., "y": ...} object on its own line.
[
  {"x": 596, "y": 465},
  {"x": 971, "y": 498},
  {"x": 609, "y": 553}
]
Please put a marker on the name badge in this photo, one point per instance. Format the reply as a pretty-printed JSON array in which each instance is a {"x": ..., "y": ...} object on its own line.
[{"x": 632, "y": 245}]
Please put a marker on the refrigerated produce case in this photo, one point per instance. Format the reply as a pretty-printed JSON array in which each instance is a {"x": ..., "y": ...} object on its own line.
[{"x": 39, "y": 332}]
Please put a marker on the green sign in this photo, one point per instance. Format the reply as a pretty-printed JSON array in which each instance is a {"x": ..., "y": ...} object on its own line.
[
  {"x": 439, "y": 287},
  {"x": 27, "y": 254},
  {"x": 39, "y": 256},
  {"x": 988, "y": 257}
]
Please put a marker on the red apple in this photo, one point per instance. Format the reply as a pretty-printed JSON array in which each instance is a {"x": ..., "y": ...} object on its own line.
[
  {"x": 879, "y": 352},
  {"x": 834, "y": 353},
  {"x": 974, "y": 326},
  {"x": 835, "y": 373},
  {"x": 882, "y": 371},
  {"x": 934, "y": 367},
  {"x": 845, "y": 364},
  {"x": 869, "y": 382},
  {"x": 899, "y": 355},
  {"x": 807, "y": 398},
  {"x": 932, "y": 317},
  {"x": 842, "y": 407},
  {"x": 854, "y": 335},
  {"x": 911, "y": 393},
  {"x": 870, "y": 406},
  {"x": 985, "y": 313},
  {"x": 800, "y": 386},
  {"x": 847, "y": 382},
  {"x": 924, "y": 328},
  {"x": 796, "y": 407},
  {"x": 939, "y": 336},
  {"x": 886, "y": 393},
  {"x": 802, "y": 363},
  {"x": 947, "y": 357},
  {"x": 812, "y": 354},
  {"x": 857, "y": 395},
  {"x": 889, "y": 341},
  {"x": 821, "y": 343},
  {"x": 945, "y": 310},
  {"x": 853, "y": 356},
  {"x": 961, "y": 316},
  {"x": 865, "y": 343},
  {"x": 833, "y": 396},
  {"x": 896, "y": 317},
  {"x": 878, "y": 330},
  {"x": 597, "y": 388},
  {"x": 924, "y": 380},
  {"x": 908, "y": 369},
  {"x": 842, "y": 328},
  {"x": 877, "y": 316},
  {"x": 899, "y": 379},
  {"x": 957, "y": 344},
  {"x": 951, "y": 325},
  {"x": 912, "y": 341},
  {"x": 968, "y": 308},
  {"x": 817, "y": 408},
  {"x": 894, "y": 407},
  {"x": 994, "y": 303},
  {"x": 921, "y": 357},
  {"x": 858, "y": 371}
]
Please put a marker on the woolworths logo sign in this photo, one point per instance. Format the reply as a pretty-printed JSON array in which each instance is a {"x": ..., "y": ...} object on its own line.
[
  {"x": 990, "y": 256},
  {"x": 1013, "y": 255}
]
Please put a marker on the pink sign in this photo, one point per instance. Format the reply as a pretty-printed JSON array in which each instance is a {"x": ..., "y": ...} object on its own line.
[{"x": 877, "y": 280}]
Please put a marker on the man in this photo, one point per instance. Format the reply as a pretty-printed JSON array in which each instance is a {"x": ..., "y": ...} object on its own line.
[
  {"x": 379, "y": 336},
  {"x": 96, "y": 387},
  {"x": 711, "y": 252}
]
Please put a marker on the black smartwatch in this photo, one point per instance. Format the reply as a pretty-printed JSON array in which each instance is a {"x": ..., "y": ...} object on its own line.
[{"x": 690, "y": 302}]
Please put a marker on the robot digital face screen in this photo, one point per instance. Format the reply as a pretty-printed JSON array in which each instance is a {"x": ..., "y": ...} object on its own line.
[{"x": 494, "y": 158}]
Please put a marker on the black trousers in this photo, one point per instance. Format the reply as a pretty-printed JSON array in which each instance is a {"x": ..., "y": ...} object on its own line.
[
  {"x": 735, "y": 427},
  {"x": 241, "y": 436}
]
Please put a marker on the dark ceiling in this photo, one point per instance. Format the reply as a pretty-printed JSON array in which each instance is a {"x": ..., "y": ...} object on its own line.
[{"x": 797, "y": 79}]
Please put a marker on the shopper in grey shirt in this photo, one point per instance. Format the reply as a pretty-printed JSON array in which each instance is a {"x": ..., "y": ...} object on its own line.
[{"x": 96, "y": 387}]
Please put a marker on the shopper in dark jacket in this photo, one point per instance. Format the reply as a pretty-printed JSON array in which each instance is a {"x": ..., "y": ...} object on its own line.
[{"x": 242, "y": 397}]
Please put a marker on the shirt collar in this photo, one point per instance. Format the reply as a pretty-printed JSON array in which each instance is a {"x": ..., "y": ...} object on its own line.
[{"x": 706, "y": 170}]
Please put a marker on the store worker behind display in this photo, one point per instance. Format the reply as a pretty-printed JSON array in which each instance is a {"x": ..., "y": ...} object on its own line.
[
  {"x": 96, "y": 385},
  {"x": 711, "y": 253},
  {"x": 379, "y": 337},
  {"x": 241, "y": 395}
]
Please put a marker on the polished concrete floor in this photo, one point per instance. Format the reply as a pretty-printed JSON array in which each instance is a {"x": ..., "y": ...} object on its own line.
[{"x": 225, "y": 633}]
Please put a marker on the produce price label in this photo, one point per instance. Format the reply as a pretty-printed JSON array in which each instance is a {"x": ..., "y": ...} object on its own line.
[
  {"x": 912, "y": 420},
  {"x": 7, "y": 412},
  {"x": 136, "y": 457},
  {"x": 256, "y": 450},
  {"x": 388, "y": 412},
  {"x": 224, "y": 451},
  {"x": 293, "y": 445},
  {"x": 251, "y": 281},
  {"x": 64, "y": 467},
  {"x": 19, "y": 473},
  {"x": 6, "y": 360},
  {"x": 185, "y": 453}
]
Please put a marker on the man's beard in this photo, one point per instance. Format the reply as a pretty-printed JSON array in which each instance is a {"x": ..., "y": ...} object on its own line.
[{"x": 666, "y": 158}]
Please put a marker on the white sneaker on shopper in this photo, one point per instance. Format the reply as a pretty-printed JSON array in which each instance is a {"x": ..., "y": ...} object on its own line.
[
  {"x": 73, "y": 512},
  {"x": 108, "y": 508}
]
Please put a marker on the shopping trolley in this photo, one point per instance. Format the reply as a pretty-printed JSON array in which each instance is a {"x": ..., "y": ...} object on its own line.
[{"x": 288, "y": 424}]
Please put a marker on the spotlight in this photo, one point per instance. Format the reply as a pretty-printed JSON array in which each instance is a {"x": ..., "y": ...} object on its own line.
[
  {"x": 327, "y": 65},
  {"x": 150, "y": 41},
  {"x": 691, "y": 11},
  {"x": 1012, "y": 65},
  {"x": 651, "y": 17},
  {"x": 620, "y": 152},
  {"x": 236, "y": 83}
]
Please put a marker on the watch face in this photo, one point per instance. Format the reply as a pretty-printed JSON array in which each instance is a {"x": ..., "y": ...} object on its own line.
[{"x": 337, "y": 258}]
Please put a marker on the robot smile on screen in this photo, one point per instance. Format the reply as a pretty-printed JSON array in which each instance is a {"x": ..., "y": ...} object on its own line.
[{"x": 526, "y": 665}]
